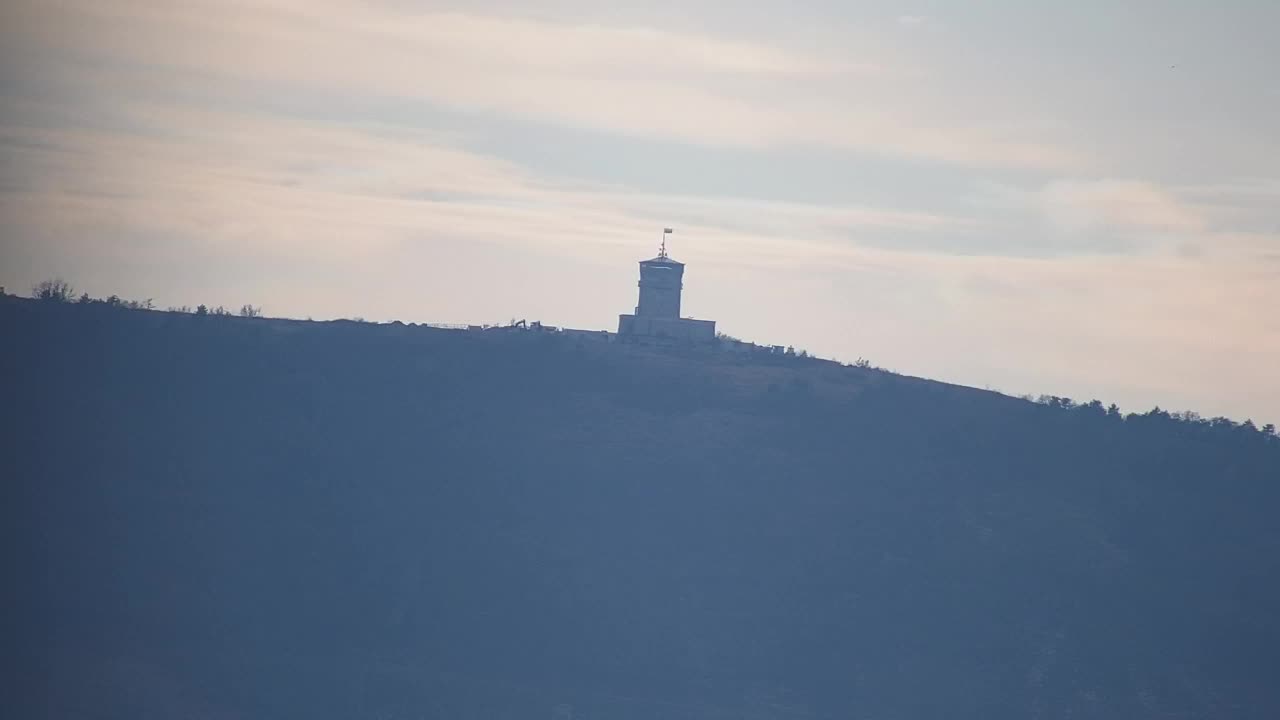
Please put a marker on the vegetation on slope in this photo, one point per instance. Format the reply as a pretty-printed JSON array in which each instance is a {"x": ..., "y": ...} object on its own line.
[{"x": 240, "y": 517}]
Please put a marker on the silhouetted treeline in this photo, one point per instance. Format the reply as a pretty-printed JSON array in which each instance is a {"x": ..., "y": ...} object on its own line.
[
  {"x": 58, "y": 290},
  {"x": 341, "y": 520}
]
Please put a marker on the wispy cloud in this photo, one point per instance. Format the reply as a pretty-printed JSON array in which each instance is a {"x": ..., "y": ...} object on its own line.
[
  {"x": 630, "y": 80},
  {"x": 290, "y": 184},
  {"x": 1085, "y": 205}
]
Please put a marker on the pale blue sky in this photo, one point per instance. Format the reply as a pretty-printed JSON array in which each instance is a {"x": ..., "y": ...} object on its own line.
[{"x": 1069, "y": 198}]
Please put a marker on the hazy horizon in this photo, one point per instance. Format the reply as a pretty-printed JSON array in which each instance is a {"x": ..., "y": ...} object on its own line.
[{"x": 1077, "y": 201}]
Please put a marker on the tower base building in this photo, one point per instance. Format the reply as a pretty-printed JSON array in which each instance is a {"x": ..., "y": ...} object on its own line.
[{"x": 683, "y": 329}]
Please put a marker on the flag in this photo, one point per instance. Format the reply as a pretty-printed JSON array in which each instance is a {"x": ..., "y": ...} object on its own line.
[{"x": 667, "y": 231}]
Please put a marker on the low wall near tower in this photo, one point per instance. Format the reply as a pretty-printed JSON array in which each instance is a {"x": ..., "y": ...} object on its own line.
[{"x": 671, "y": 328}]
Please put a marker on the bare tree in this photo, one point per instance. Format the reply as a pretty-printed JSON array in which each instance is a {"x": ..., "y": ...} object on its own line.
[
  {"x": 250, "y": 311},
  {"x": 55, "y": 290}
]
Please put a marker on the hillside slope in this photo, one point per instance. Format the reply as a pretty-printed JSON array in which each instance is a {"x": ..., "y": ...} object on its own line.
[{"x": 223, "y": 517}]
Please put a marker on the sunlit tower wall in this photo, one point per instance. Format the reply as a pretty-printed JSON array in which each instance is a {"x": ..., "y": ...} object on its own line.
[{"x": 661, "y": 280}]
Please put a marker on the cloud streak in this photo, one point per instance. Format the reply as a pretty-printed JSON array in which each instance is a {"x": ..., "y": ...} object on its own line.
[{"x": 629, "y": 80}]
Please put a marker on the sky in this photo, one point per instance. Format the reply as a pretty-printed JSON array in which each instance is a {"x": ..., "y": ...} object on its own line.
[{"x": 1079, "y": 199}]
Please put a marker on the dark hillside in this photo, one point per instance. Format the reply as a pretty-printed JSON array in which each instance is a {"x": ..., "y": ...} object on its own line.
[{"x": 215, "y": 517}]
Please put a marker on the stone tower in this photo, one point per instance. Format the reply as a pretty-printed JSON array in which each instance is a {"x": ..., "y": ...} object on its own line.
[
  {"x": 658, "y": 311},
  {"x": 661, "y": 280}
]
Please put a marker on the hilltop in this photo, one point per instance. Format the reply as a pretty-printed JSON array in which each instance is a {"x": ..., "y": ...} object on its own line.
[{"x": 212, "y": 516}]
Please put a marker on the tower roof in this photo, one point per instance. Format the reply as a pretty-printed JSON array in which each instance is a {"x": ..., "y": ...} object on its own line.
[{"x": 661, "y": 260}]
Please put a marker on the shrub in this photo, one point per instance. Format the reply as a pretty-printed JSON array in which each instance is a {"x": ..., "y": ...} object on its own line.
[{"x": 55, "y": 290}]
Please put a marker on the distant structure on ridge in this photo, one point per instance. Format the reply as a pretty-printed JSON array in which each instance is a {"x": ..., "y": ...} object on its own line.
[{"x": 658, "y": 312}]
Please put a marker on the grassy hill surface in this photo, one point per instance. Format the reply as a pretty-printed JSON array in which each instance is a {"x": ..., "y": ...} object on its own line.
[{"x": 215, "y": 517}]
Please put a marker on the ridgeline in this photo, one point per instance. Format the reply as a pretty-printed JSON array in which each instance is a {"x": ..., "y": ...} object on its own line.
[{"x": 211, "y": 516}]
